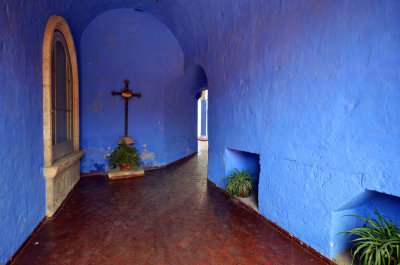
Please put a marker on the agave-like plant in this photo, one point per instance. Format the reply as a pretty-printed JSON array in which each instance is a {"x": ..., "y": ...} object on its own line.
[
  {"x": 377, "y": 242},
  {"x": 125, "y": 154},
  {"x": 239, "y": 183}
]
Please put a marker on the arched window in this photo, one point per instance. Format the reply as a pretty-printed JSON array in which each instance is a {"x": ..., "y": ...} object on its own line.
[
  {"x": 61, "y": 97},
  {"x": 60, "y": 92},
  {"x": 60, "y": 113}
]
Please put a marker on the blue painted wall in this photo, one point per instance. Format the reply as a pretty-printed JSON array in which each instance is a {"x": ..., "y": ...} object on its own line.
[
  {"x": 125, "y": 44},
  {"x": 180, "y": 114},
  {"x": 314, "y": 88},
  {"x": 22, "y": 184}
]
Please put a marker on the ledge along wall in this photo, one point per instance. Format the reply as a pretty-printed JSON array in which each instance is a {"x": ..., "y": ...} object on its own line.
[
  {"x": 314, "y": 88},
  {"x": 125, "y": 44}
]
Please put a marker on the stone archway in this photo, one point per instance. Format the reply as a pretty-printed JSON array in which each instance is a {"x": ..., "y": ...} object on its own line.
[{"x": 62, "y": 173}]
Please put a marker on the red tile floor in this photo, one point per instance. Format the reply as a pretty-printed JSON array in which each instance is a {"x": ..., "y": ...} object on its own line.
[{"x": 170, "y": 216}]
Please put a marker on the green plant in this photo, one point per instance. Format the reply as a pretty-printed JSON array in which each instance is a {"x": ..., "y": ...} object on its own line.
[
  {"x": 125, "y": 154},
  {"x": 377, "y": 242},
  {"x": 239, "y": 183}
]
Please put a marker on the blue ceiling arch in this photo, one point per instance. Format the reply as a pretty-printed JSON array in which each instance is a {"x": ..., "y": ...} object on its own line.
[
  {"x": 198, "y": 78},
  {"x": 191, "y": 22},
  {"x": 80, "y": 14}
]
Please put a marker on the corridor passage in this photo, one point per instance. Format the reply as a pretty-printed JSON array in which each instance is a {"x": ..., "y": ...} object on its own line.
[{"x": 170, "y": 216}]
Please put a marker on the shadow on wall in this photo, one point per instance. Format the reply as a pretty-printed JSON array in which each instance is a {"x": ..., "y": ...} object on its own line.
[
  {"x": 180, "y": 109},
  {"x": 242, "y": 160},
  {"x": 361, "y": 205}
]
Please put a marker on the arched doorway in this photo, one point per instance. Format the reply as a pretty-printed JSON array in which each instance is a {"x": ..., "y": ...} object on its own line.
[{"x": 202, "y": 116}]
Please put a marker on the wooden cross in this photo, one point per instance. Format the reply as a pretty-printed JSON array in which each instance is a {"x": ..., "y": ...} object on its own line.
[{"x": 127, "y": 94}]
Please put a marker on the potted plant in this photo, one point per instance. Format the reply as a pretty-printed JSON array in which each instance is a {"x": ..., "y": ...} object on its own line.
[
  {"x": 125, "y": 157},
  {"x": 377, "y": 242},
  {"x": 239, "y": 183}
]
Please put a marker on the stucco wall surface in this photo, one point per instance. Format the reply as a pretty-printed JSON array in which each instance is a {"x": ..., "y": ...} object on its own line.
[
  {"x": 180, "y": 115},
  {"x": 125, "y": 44},
  {"x": 22, "y": 185},
  {"x": 313, "y": 87}
]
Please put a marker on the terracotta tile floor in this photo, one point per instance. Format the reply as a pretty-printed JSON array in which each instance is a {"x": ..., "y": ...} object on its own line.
[{"x": 170, "y": 216}]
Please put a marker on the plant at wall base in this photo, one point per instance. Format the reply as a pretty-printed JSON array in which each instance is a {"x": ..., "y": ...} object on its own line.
[
  {"x": 125, "y": 157},
  {"x": 377, "y": 242},
  {"x": 239, "y": 183}
]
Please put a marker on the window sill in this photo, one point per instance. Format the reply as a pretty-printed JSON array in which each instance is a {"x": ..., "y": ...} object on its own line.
[{"x": 62, "y": 164}]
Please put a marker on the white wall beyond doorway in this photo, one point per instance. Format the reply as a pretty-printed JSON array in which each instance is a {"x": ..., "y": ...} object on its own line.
[{"x": 202, "y": 119}]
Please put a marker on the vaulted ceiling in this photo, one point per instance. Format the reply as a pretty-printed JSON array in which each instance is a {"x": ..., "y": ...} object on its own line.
[{"x": 195, "y": 24}]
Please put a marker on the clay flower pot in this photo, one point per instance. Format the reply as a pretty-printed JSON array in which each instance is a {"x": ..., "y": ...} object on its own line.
[
  {"x": 125, "y": 167},
  {"x": 124, "y": 157},
  {"x": 245, "y": 194}
]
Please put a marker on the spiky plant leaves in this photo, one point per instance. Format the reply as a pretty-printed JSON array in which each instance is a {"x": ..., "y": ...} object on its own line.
[
  {"x": 239, "y": 182},
  {"x": 377, "y": 242}
]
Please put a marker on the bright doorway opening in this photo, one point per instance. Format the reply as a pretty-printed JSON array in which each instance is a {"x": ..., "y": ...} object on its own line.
[{"x": 202, "y": 116}]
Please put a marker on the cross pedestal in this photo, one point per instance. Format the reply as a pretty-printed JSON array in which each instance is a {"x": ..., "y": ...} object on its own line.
[
  {"x": 137, "y": 172},
  {"x": 115, "y": 173}
]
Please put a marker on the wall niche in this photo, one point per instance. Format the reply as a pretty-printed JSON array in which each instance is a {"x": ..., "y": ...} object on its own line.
[
  {"x": 244, "y": 160},
  {"x": 361, "y": 205}
]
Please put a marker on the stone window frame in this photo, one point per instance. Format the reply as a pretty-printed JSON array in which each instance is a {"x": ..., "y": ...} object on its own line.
[
  {"x": 57, "y": 23},
  {"x": 61, "y": 149}
]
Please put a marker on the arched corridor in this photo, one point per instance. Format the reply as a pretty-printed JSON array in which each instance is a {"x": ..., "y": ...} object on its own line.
[{"x": 304, "y": 95}]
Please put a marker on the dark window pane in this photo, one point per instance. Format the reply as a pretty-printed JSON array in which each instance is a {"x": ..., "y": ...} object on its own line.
[
  {"x": 53, "y": 131},
  {"x": 61, "y": 123},
  {"x": 60, "y": 77},
  {"x": 61, "y": 99}
]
